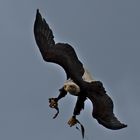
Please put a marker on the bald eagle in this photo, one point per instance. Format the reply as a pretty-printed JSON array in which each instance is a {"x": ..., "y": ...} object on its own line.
[{"x": 79, "y": 82}]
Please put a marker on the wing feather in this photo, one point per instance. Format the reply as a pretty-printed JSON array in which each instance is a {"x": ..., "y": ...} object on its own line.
[
  {"x": 65, "y": 56},
  {"x": 103, "y": 107},
  {"x": 60, "y": 53}
]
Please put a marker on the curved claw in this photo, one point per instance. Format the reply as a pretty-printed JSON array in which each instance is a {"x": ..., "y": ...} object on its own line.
[
  {"x": 73, "y": 121},
  {"x": 54, "y": 104}
]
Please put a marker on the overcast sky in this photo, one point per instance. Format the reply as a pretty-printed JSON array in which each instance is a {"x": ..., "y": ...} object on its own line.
[{"x": 106, "y": 37}]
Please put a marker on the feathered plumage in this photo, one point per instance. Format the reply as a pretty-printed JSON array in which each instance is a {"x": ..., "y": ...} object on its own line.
[{"x": 65, "y": 56}]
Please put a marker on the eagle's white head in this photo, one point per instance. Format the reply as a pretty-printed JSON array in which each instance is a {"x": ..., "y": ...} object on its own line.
[{"x": 73, "y": 88}]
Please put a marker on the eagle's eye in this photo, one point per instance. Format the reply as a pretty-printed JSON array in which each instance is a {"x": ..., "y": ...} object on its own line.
[{"x": 72, "y": 86}]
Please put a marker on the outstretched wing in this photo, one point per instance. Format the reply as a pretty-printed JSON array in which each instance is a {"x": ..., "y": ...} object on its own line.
[
  {"x": 65, "y": 56},
  {"x": 60, "y": 53},
  {"x": 103, "y": 107}
]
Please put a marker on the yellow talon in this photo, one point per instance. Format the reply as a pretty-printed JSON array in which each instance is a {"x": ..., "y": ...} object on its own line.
[
  {"x": 72, "y": 121},
  {"x": 53, "y": 103}
]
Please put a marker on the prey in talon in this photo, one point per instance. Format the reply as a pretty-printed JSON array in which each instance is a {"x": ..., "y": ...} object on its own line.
[
  {"x": 53, "y": 103},
  {"x": 73, "y": 121}
]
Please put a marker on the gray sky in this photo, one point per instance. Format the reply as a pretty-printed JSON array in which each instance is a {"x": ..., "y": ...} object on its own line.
[{"x": 106, "y": 37}]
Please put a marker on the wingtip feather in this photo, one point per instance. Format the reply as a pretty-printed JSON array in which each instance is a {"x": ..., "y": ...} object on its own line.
[
  {"x": 37, "y": 11},
  {"x": 113, "y": 124}
]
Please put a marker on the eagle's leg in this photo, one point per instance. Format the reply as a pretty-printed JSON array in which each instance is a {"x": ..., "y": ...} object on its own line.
[
  {"x": 78, "y": 107},
  {"x": 54, "y": 101},
  {"x": 62, "y": 94}
]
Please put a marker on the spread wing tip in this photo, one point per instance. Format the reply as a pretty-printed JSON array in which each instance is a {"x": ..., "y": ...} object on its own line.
[
  {"x": 38, "y": 13},
  {"x": 43, "y": 34},
  {"x": 37, "y": 10},
  {"x": 112, "y": 124}
]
